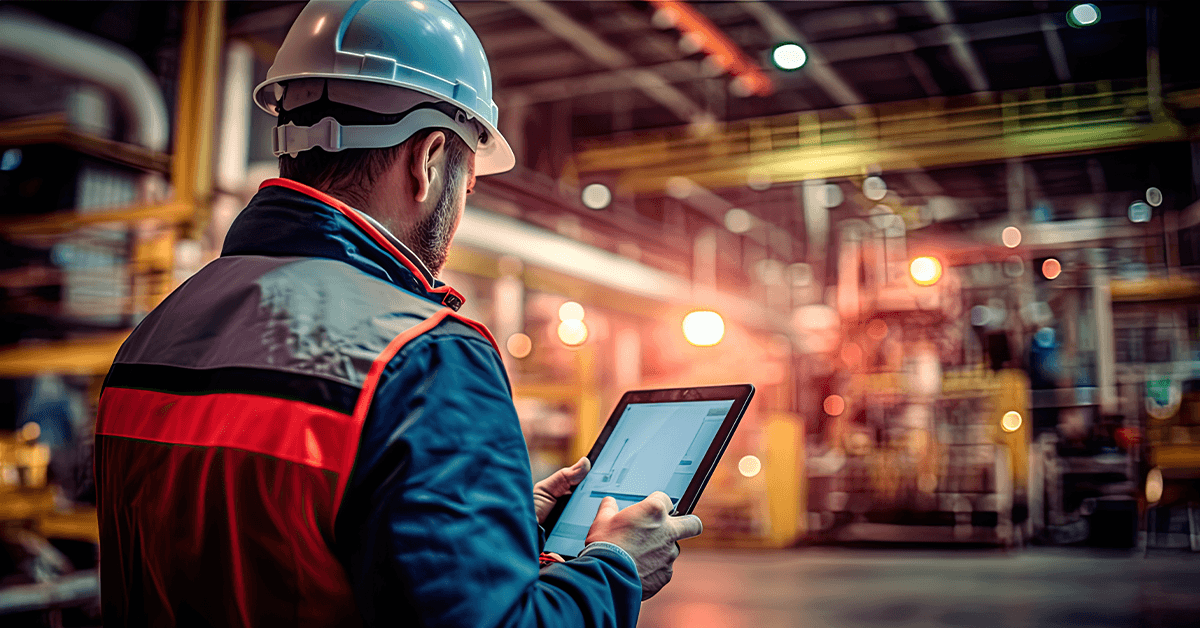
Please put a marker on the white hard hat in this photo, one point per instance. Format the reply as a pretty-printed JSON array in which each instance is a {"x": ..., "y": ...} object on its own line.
[{"x": 357, "y": 52}]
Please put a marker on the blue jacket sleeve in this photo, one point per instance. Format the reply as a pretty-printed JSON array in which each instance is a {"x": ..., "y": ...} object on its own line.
[{"x": 438, "y": 527}]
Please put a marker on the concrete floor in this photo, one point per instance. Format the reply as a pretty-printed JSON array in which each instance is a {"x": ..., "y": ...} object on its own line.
[{"x": 835, "y": 588}]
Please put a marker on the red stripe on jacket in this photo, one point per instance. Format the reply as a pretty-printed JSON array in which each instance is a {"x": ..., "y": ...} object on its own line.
[{"x": 289, "y": 430}]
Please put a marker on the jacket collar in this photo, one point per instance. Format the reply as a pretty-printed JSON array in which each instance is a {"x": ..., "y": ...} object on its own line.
[{"x": 286, "y": 218}]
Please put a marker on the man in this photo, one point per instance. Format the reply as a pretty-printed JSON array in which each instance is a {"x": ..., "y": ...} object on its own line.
[{"x": 306, "y": 432}]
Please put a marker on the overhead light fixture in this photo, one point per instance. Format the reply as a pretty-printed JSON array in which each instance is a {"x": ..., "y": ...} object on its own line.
[
  {"x": 1082, "y": 15},
  {"x": 789, "y": 57}
]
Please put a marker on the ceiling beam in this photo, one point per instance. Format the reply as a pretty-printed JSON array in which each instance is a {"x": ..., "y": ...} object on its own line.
[
  {"x": 960, "y": 47},
  {"x": 600, "y": 82},
  {"x": 780, "y": 29},
  {"x": 855, "y": 48},
  {"x": 836, "y": 51},
  {"x": 923, "y": 74},
  {"x": 589, "y": 44},
  {"x": 1058, "y": 54}
]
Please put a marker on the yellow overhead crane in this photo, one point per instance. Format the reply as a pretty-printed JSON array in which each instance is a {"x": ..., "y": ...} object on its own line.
[{"x": 895, "y": 136}]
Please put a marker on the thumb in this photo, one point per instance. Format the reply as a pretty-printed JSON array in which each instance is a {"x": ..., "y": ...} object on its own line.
[
  {"x": 579, "y": 469},
  {"x": 687, "y": 526},
  {"x": 608, "y": 509}
]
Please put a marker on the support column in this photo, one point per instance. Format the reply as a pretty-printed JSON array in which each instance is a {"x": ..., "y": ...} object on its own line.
[{"x": 1106, "y": 357}]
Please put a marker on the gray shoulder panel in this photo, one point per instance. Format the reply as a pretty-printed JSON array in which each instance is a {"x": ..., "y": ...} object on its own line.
[{"x": 304, "y": 315}]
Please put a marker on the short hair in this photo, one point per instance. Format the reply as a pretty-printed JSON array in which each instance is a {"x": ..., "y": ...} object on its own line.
[{"x": 348, "y": 173}]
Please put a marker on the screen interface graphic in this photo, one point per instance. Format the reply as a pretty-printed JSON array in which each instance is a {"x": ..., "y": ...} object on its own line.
[{"x": 654, "y": 447}]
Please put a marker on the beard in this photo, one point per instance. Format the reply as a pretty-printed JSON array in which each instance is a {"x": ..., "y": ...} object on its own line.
[{"x": 430, "y": 238}]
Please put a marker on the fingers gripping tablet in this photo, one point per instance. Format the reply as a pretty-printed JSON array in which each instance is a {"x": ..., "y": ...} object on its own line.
[{"x": 659, "y": 440}]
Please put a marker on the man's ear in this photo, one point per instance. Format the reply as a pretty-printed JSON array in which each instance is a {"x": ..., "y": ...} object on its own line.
[{"x": 428, "y": 166}]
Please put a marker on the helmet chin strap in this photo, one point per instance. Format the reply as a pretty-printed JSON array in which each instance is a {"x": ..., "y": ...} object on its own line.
[{"x": 328, "y": 134}]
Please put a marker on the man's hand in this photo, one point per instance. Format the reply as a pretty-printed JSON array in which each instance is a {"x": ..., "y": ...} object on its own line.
[
  {"x": 547, "y": 492},
  {"x": 648, "y": 533}
]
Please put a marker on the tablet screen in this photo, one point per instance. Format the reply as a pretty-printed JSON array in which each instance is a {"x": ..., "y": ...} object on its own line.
[{"x": 654, "y": 447}]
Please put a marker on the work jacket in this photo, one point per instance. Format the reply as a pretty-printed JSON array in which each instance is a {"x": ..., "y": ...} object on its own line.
[{"x": 306, "y": 433}]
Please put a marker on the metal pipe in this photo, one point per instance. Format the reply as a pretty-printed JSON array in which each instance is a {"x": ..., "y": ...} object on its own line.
[{"x": 91, "y": 59}]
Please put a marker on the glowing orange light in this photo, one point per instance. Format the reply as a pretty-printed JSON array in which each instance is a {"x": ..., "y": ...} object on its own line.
[
  {"x": 703, "y": 328},
  {"x": 572, "y": 332},
  {"x": 1011, "y": 421},
  {"x": 877, "y": 329},
  {"x": 925, "y": 270},
  {"x": 834, "y": 405},
  {"x": 749, "y": 466},
  {"x": 519, "y": 345},
  {"x": 1051, "y": 268},
  {"x": 1154, "y": 485}
]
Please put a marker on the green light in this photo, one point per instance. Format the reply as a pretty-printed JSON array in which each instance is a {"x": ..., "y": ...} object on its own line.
[{"x": 1083, "y": 15}]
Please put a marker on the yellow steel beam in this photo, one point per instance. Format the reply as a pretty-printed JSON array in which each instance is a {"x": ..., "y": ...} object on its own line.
[
  {"x": 56, "y": 129},
  {"x": 83, "y": 356},
  {"x": 195, "y": 115},
  {"x": 63, "y": 222},
  {"x": 898, "y": 136}
]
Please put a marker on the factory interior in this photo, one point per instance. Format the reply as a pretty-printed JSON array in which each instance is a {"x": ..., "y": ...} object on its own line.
[{"x": 953, "y": 244}]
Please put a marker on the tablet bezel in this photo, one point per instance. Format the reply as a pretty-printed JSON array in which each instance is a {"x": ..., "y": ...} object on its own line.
[{"x": 739, "y": 393}]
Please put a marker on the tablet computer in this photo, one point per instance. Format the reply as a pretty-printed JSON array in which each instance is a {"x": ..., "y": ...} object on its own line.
[{"x": 656, "y": 440}]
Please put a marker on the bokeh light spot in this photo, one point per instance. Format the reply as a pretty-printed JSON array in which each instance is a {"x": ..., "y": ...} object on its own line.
[
  {"x": 596, "y": 196},
  {"x": 749, "y": 466},
  {"x": 925, "y": 270},
  {"x": 11, "y": 159},
  {"x": 570, "y": 311},
  {"x": 519, "y": 345},
  {"x": 874, "y": 188},
  {"x": 1154, "y": 197},
  {"x": 30, "y": 431},
  {"x": 789, "y": 57},
  {"x": 703, "y": 328},
  {"x": 1140, "y": 211},
  {"x": 1051, "y": 268},
  {"x": 877, "y": 329},
  {"x": 572, "y": 332},
  {"x": 1154, "y": 485},
  {"x": 738, "y": 220},
  {"x": 834, "y": 405},
  {"x": 1011, "y": 421},
  {"x": 1011, "y": 237},
  {"x": 1083, "y": 15}
]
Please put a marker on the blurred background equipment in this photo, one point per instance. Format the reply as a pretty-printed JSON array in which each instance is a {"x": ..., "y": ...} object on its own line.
[{"x": 955, "y": 245}]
